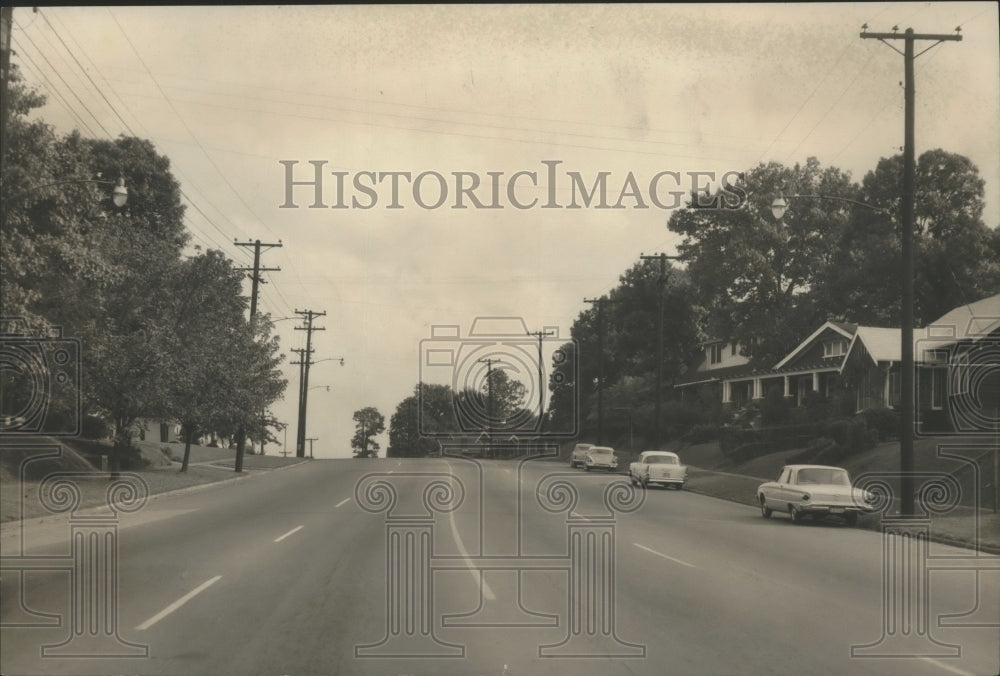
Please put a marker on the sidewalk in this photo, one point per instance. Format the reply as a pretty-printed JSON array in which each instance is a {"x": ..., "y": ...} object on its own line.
[{"x": 961, "y": 527}]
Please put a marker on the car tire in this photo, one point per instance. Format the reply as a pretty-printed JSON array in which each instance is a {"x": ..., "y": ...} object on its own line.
[
  {"x": 794, "y": 515},
  {"x": 765, "y": 511}
]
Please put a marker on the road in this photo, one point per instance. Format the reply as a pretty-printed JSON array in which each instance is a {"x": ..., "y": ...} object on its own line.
[{"x": 499, "y": 568}]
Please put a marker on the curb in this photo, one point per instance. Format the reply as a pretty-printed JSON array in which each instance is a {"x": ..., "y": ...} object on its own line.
[
  {"x": 9, "y": 528},
  {"x": 940, "y": 538}
]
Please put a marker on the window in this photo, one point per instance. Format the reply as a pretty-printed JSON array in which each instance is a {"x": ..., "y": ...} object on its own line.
[
  {"x": 732, "y": 350},
  {"x": 937, "y": 388},
  {"x": 715, "y": 353},
  {"x": 894, "y": 387},
  {"x": 834, "y": 348}
]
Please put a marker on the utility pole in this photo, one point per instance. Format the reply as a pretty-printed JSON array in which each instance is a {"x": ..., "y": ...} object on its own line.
[
  {"x": 657, "y": 430},
  {"x": 6, "y": 20},
  {"x": 305, "y": 360},
  {"x": 599, "y": 302},
  {"x": 541, "y": 387},
  {"x": 256, "y": 279},
  {"x": 311, "y": 440},
  {"x": 256, "y": 270},
  {"x": 489, "y": 399},
  {"x": 907, "y": 413}
]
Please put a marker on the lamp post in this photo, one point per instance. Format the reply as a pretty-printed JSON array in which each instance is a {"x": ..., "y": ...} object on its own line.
[{"x": 304, "y": 394}]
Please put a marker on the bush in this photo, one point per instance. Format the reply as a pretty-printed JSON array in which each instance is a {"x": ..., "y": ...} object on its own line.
[
  {"x": 883, "y": 421},
  {"x": 699, "y": 434},
  {"x": 775, "y": 409},
  {"x": 92, "y": 427}
]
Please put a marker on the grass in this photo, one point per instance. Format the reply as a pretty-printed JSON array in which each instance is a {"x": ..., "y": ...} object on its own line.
[{"x": 26, "y": 457}]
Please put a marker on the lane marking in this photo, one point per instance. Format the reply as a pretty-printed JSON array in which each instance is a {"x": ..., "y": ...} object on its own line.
[
  {"x": 177, "y": 604},
  {"x": 342, "y": 502},
  {"x": 668, "y": 558},
  {"x": 946, "y": 667},
  {"x": 484, "y": 586},
  {"x": 294, "y": 530}
]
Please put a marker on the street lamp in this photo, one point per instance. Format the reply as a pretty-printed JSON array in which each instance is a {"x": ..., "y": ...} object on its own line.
[
  {"x": 780, "y": 203},
  {"x": 119, "y": 194}
]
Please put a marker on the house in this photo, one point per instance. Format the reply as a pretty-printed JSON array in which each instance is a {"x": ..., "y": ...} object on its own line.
[
  {"x": 721, "y": 363},
  {"x": 957, "y": 369}
]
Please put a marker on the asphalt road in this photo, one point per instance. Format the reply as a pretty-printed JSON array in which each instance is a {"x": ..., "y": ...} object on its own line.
[{"x": 496, "y": 569}]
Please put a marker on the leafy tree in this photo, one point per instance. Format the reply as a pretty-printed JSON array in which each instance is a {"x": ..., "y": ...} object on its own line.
[
  {"x": 952, "y": 246},
  {"x": 751, "y": 273},
  {"x": 430, "y": 410},
  {"x": 370, "y": 423}
]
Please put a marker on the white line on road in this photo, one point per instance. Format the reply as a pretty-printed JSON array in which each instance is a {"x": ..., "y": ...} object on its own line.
[
  {"x": 487, "y": 592},
  {"x": 946, "y": 667},
  {"x": 177, "y": 604},
  {"x": 342, "y": 502},
  {"x": 668, "y": 558},
  {"x": 294, "y": 530}
]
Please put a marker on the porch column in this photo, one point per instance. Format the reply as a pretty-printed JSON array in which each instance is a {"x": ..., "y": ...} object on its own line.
[
  {"x": 788, "y": 384},
  {"x": 815, "y": 381},
  {"x": 885, "y": 388},
  {"x": 727, "y": 392},
  {"x": 758, "y": 389}
]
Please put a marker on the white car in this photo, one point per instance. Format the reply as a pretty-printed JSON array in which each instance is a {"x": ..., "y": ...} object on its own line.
[
  {"x": 658, "y": 467},
  {"x": 579, "y": 455},
  {"x": 601, "y": 457},
  {"x": 814, "y": 490}
]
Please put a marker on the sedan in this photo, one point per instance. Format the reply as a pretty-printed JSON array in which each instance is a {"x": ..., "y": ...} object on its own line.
[
  {"x": 814, "y": 490},
  {"x": 658, "y": 467},
  {"x": 601, "y": 457}
]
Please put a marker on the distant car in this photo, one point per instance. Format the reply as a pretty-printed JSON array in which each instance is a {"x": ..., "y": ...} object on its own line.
[
  {"x": 579, "y": 454},
  {"x": 658, "y": 467},
  {"x": 814, "y": 490},
  {"x": 601, "y": 457}
]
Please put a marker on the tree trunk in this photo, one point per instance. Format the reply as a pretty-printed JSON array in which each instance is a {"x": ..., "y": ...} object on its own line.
[
  {"x": 240, "y": 440},
  {"x": 188, "y": 434}
]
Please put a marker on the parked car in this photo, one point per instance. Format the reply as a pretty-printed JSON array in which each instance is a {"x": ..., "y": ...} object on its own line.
[
  {"x": 658, "y": 467},
  {"x": 814, "y": 490},
  {"x": 579, "y": 454},
  {"x": 601, "y": 457}
]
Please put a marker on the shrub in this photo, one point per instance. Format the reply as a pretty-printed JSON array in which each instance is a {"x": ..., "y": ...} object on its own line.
[
  {"x": 883, "y": 421},
  {"x": 775, "y": 409},
  {"x": 699, "y": 434}
]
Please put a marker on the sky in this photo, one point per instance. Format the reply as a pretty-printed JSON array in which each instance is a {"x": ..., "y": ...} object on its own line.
[{"x": 243, "y": 99}]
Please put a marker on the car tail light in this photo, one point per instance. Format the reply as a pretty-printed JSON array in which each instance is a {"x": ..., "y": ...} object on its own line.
[{"x": 805, "y": 496}]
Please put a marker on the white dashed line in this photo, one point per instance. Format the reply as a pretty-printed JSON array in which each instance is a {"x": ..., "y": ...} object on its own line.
[
  {"x": 177, "y": 604},
  {"x": 294, "y": 530},
  {"x": 342, "y": 502},
  {"x": 668, "y": 558}
]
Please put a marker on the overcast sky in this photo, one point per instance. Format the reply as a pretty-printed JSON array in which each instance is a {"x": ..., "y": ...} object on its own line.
[{"x": 227, "y": 93}]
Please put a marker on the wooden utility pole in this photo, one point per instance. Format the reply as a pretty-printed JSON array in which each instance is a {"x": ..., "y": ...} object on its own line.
[
  {"x": 657, "y": 429},
  {"x": 305, "y": 359},
  {"x": 599, "y": 302},
  {"x": 541, "y": 385},
  {"x": 907, "y": 407}
]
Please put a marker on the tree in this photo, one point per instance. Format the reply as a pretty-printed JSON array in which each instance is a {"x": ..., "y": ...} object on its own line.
[
  {"x": 369, "y": 424},
  {"x": 751, "y": 273},
  {"x": 418, "y": 419},
  {"x": 952, "y": 246}
]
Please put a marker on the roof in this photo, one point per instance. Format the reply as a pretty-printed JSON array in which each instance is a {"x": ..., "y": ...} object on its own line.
[
  {"x": 712, "y": 375},
  {"x": 883, "y": 344},
  {"x": 670, "y": 453},
  {"x": 972, "y": 321},
  {"x": 843, "y": 328}
]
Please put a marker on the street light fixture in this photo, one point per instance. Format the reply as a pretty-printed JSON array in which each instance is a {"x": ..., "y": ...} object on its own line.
[{"x": 119, "y": 194}]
